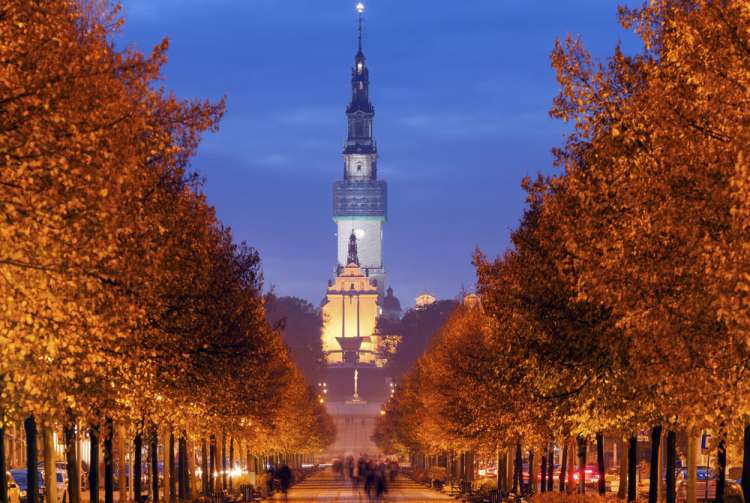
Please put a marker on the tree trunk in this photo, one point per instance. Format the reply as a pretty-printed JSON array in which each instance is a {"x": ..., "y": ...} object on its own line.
[
  {"x": 571, "y": 483},
  {"x": 622, "y": 488},
  {"x": 692, "y": 476},
  {"x": 183, "y": 447},
  {"x": 190, "y": 477},
  {"x": 632, "y": 463},
  {"x": 671, "y": 467},
  {"x": 551, "y": 468},
  {"x": 581, "y": 465},
  {"x": 532, "y": 475},
  {"x": 32, "y": 473},
  {"x": 564, "y": 465},
  {"x": 204, "y": 466},
  {"x": 746, "y": 463},
  {"x": 154, "y": 457},
  {"x": 122, "y": 483},
  {"x": 231, "y": 464},
  {"x": 721, "y": 465},
  {"x": 71, "y": 460},
  {"x": 653, "y": 478},
  {"x": 543, "y": 473},
  {"x": 137, "y": 466},
  {"x": 180, "y": 469},
  {"x": 518, "y": 471},
  {"x": 169, "y": 486},
  {"x": 3, "y": 469},
  {"x": 50, "y": 466},
  {"x": 600, "y": 462},
  {"x": 211, "y": 478},
  {"x": 109, "y": 475},
  {"x": 500, "y": 471},
  {"x": 224, "y": 484},
  {"x": 94, "y": 465}
]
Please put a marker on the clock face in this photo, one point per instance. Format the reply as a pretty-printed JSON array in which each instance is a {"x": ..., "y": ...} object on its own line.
[{"x": 360, "y": 233}]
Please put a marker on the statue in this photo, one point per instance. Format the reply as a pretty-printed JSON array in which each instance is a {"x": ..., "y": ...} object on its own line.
[
  {"x": 356, "y": 383},
  {"x": 355, "y": 397},
  {"x": 353, "y": 258}
]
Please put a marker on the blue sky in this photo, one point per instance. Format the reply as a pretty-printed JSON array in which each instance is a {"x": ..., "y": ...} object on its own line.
[{"x": 461, "y": 88}]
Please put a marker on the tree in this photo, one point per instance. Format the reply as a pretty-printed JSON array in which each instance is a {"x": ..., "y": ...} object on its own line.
[
  {"x": 124, "y": 299},
  {"x": 415, "y": 330},
  {"x": 651, "y": 204},
  {"x": 300, "y": 324}
]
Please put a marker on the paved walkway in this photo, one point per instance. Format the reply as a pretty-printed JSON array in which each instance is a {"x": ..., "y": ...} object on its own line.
[{"x": 324, "y": 487}]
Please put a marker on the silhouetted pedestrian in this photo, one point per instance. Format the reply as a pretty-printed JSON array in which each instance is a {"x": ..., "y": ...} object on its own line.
[
  {"x": 370, "y": 479},
  {"x": 285, "y": 480}
]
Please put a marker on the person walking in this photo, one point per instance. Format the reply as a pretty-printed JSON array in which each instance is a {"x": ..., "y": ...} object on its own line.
[
  {"x": 381, "y": 486},
  {"x": 370, "y": 480},
  {"x": 285, "y": 480},
  {"x": 393, "y": 470},
  {"x": 350, "y": 467}
]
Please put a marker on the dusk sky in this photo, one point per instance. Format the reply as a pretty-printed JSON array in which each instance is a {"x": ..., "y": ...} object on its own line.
[{"x": 461, "y": 89}]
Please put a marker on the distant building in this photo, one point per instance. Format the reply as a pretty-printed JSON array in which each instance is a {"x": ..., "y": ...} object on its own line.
[
  {"x": 423, "y": 300},
  {"x": 472, "y": 300},
  {"x": 391, "y": 306}
]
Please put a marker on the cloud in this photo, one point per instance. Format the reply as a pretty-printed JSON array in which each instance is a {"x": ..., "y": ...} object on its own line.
[
  {"x": 275, "y": 159},
  {"x": 312, "y": 116},
  {"x": 463, "y": 126},
  {"x": 450, "y": 125}
]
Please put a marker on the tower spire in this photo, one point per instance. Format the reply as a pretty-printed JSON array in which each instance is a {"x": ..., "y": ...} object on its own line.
[{"x": 360, "y": 11}]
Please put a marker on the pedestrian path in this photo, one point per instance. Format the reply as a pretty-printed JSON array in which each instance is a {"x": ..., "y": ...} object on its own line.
[{"x": 325, "y": 487}]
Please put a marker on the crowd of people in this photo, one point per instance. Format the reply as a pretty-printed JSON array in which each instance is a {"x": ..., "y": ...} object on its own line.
[{"x": 374, "y": 475}]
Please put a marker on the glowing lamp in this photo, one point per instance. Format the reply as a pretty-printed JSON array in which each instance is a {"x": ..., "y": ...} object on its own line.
[{"x": 360, "y": 7}]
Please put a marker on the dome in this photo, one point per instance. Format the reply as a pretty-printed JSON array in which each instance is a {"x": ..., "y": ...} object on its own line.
[
  {"x": 390, "y": 301},
  {"x": 424, "y": 300},
  {"x": 391, "y": 305}
]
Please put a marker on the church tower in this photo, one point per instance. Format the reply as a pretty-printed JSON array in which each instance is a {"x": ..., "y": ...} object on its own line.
[
  {"x": 356, "y": 377},
  {"x": 360, "y": 199}
]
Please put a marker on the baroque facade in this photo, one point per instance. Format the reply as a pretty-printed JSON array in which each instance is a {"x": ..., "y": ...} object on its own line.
[{"x": 350, "y": 311}]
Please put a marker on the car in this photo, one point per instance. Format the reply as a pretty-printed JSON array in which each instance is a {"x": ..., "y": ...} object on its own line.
[
  {"x": 14, "y": 492},
  {"x": 705, "y": 487},
  {"x": 591, "y": 473},
  {"x": 489, "y": 471},
  {"x": 20, "y": 476},
  {"x": 612, "y": 479},
  {"x": 62, "y": 485}
]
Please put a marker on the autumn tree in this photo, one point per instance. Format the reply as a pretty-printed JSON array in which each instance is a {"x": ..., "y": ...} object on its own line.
[
  {"x": 124, "y": 298},
  {"x": 651, "y": 201},
  {"x": 301, "y": 324}
]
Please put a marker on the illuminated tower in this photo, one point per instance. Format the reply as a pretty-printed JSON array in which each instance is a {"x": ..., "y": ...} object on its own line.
[{"x": 360, "y": 199}]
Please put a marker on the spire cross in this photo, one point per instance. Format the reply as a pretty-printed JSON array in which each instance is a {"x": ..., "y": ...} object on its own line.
[{"x": 360, "y": 10}]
